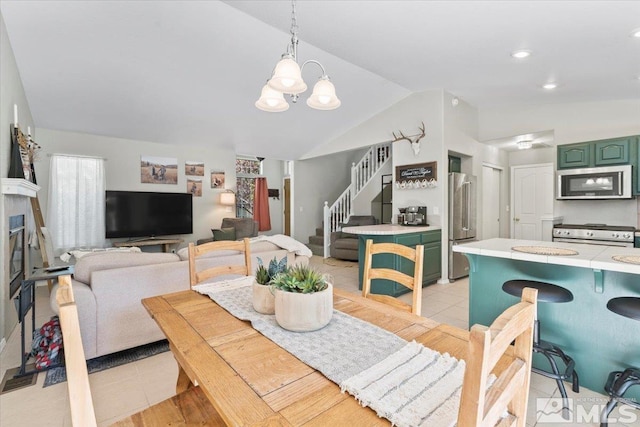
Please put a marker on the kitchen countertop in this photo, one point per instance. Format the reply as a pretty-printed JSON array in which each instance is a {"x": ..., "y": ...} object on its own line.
[
  {"x": 389, "y": 229},
  {"x": 596, "y": 257}
]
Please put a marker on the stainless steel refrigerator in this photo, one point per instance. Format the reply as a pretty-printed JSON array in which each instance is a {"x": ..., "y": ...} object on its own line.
[{"x": 462, "y": 220}]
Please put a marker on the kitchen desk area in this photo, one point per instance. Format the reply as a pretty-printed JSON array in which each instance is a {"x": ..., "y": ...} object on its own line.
[
  {"x": 599, "y": 340},
  {"x": 429, "y": 236}
]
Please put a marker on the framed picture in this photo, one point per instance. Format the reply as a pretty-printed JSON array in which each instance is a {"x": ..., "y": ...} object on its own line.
[
  {"x": 158, "y": 170},
  {"x": 217, "y": 179},
  {"x": 418, "y": 171},
  {"x": 194, "y": 186},
  {"x": 194, "y": 168}
]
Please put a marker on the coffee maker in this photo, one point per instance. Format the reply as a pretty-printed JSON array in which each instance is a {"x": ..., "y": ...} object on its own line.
[{"x": 414, "y": 215}]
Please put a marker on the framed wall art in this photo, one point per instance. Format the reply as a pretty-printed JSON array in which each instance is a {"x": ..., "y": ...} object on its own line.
[
  {"x": 217, "y": 179},
  {"x": 194, "y": 168},
  {"x": 194, "y": 186},
  {"x": 158, "y": 170}
]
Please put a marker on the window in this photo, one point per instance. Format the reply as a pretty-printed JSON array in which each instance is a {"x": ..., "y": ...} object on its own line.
[
  {"x": 75, "y": 208},
  {"x": 247, "y": 170}
]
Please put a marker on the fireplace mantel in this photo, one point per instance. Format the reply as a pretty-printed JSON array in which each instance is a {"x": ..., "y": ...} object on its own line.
[{"x": 19, "y": 186}]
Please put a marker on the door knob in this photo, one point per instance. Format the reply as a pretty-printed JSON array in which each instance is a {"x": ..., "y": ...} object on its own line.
[{"x": 516, "y": 219}]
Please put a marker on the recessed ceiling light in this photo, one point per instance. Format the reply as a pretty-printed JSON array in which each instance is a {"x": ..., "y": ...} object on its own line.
[
  {"x": 521, "y": 54},
  {"x": 636, "y": 33},
  {"x": 549, "y": 86}
]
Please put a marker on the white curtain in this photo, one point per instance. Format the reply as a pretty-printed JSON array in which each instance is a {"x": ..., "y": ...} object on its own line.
[{"x": 75, "y": 207}]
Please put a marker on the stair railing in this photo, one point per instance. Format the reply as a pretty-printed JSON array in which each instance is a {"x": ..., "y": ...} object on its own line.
[{"x": 361, "y": 174}]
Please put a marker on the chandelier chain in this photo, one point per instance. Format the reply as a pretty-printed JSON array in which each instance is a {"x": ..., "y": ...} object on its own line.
[{"x": 294, "y": 20}]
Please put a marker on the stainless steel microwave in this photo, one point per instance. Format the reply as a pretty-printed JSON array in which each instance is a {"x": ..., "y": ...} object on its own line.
[{"x": 611, "y": 182}]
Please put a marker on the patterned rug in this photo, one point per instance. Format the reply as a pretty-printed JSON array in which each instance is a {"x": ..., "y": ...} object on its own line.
[{"x": 58, "y": 375}]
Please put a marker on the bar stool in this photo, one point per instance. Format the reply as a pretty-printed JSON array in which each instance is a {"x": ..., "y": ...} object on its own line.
[
  {"x": 620, "y": 381},
  {"x": 551, "y": 294}
]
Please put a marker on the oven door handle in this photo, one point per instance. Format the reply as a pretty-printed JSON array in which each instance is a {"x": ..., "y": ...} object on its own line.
[{"x": 594, "y": 242}]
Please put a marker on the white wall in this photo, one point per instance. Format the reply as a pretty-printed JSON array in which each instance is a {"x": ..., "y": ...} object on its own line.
[
  {"x": 362, "y": 202},
  {"x": 11, "y": 92},
  {"x": 123, "y": 170}
]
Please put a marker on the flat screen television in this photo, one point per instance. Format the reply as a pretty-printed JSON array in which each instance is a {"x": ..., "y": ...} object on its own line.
[{"x": 147, "y": 214}]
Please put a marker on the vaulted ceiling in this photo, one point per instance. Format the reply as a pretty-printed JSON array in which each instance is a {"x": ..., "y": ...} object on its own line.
[{"x": 189, "y": 72}]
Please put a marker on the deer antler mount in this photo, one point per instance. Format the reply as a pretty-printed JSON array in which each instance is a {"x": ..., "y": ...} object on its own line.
[{"x": 414, "y": 140}]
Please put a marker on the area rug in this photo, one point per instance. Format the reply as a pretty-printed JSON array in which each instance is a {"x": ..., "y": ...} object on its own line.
[
  {"x": 58, "y": 375},
  {"x": 339, "y": 262}
]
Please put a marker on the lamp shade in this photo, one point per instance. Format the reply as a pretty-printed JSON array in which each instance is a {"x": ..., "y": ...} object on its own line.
[
  {"x": 324, "y": 95},
  {"x": 228, "y": 198},
  {"x": 271, "y": 100},
  {"x": 287, "y": 77}
]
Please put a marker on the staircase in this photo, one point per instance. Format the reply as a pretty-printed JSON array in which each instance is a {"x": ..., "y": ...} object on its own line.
[{"x": 362, "y": 174}]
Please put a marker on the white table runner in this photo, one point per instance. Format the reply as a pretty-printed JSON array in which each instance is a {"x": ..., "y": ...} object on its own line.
[{"x": 406, "y": 383}]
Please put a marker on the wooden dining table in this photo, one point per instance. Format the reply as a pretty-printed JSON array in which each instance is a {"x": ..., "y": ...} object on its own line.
[{"x": 251, "y": 381}]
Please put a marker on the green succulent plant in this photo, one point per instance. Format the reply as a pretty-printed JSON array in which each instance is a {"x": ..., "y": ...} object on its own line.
[
  {"x": 264, "y": 274},
  {"x": 300, "y": 279}
]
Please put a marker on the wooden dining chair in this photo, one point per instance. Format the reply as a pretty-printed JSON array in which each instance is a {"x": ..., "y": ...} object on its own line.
[
  {"x": 188, "y": 408},
  {"x": 199, "y": 251},
  {"x": 80, "y": 400},
  {"x": 482, "y": 404},
  {"x": 413, "y": 282}
]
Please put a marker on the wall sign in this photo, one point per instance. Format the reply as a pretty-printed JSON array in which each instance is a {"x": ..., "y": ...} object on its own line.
[{"x": 419, "y": 171}]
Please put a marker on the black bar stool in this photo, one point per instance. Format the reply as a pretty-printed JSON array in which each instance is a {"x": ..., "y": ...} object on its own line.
[
  {"x": 552, "y": 294},
  {"x": 619, "y": 381}
]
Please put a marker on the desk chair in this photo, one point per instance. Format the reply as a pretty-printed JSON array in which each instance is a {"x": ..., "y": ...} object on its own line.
[
  {"x": 188, "y": 408},
  {"x": 480, "y": 407},
  {"x": 413, "y": 282},
  {"x": 199, "y": 251}
]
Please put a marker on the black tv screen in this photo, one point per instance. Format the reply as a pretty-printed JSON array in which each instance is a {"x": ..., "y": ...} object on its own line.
[{"x": 146, "y": 214}]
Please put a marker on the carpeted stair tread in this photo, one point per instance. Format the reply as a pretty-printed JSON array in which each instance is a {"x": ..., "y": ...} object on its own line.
[
  {"x": 319, "y": 232},
  {"x": 316, "y": 240},
  {"x": 316, "y": 249}
]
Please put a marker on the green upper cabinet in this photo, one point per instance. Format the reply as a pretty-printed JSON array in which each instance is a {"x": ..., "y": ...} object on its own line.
[
  {"x": 575, "y": 155},
  {"x": 613, "y": 151},
  {"x": 607, "y": 152}
]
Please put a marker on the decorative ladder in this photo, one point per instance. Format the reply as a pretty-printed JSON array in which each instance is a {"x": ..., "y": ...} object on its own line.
[{"x": 361, "y": 174}]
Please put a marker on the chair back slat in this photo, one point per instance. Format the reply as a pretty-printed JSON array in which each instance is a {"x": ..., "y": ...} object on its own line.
[
  {"x": 196, "y": 251},
  {"x": 481, "y": 406},
  {"x": 412, "y": 282}
]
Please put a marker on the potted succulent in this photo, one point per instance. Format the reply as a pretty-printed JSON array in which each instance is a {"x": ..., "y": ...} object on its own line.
[
  {"x": 303, "y": 299},
  {"x": 263, "y": 299}
]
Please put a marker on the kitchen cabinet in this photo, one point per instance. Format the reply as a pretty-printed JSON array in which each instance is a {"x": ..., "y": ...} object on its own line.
[
  {"x": 432, "y": 261},
  {"x": 613, "y": 151},
  {"x": 607, "y": 152},
  {"x": 574, "y": 155}
]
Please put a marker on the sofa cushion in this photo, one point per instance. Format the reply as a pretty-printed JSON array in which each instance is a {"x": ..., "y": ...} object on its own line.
[
  {"x": 346, "y": 244},
  {"x": 256, "y": 248},
  {"x": 226, "y": 233},
  {"x": 109, "y": 260}
]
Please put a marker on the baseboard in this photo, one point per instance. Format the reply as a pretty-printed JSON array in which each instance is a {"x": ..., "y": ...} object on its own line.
[{"x": 3, "y": 344}]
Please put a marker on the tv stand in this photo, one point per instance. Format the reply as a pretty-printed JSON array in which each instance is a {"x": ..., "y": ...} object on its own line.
[{"x": 153, "y": 241}]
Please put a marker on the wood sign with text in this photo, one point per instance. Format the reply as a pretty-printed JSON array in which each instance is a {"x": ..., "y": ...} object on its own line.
[{"x": 418, "y": 171}]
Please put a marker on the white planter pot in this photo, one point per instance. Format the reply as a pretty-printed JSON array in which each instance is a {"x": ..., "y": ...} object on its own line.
[
  {"x": 304, "y": 312},
  {"x": 263, "y": 299}
]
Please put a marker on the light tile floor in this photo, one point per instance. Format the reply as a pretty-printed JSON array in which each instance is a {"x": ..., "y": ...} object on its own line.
[{"x": 121, "y": 391}]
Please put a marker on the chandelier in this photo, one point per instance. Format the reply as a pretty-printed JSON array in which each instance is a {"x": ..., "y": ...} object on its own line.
[{"x": 287, "y": 79}]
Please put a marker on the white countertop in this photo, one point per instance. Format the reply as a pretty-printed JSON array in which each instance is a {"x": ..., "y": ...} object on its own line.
[
  {"x": 388, "y": 229},
  {"x": 589, "y": 256}
]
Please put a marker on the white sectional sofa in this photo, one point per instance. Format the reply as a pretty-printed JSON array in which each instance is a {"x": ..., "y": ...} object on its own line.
[{"x": 109, "y": 286}]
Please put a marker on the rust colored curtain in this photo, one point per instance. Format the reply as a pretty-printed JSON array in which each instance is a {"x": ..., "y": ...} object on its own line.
[{"x": 261, "y": 205}]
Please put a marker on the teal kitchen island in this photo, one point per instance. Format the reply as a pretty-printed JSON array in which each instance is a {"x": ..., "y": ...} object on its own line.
[
  {"x": 429, "y": 236},
  {"x": 597, "y": 339}
]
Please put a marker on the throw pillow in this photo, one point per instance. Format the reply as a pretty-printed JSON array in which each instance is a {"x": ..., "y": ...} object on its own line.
[{"x": 227, "y": 233}]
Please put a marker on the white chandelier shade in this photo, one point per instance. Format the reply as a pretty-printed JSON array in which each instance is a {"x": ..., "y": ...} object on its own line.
[
  {"x": 271, "y": 100},
  {"x": 324, "y": 95},
  {"x": 287, "y": 77}
]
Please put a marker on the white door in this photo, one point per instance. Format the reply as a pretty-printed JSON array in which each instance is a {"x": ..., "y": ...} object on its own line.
[
  {"x": 491, "y": 202},
  {"x": 532, "y": 198}
]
